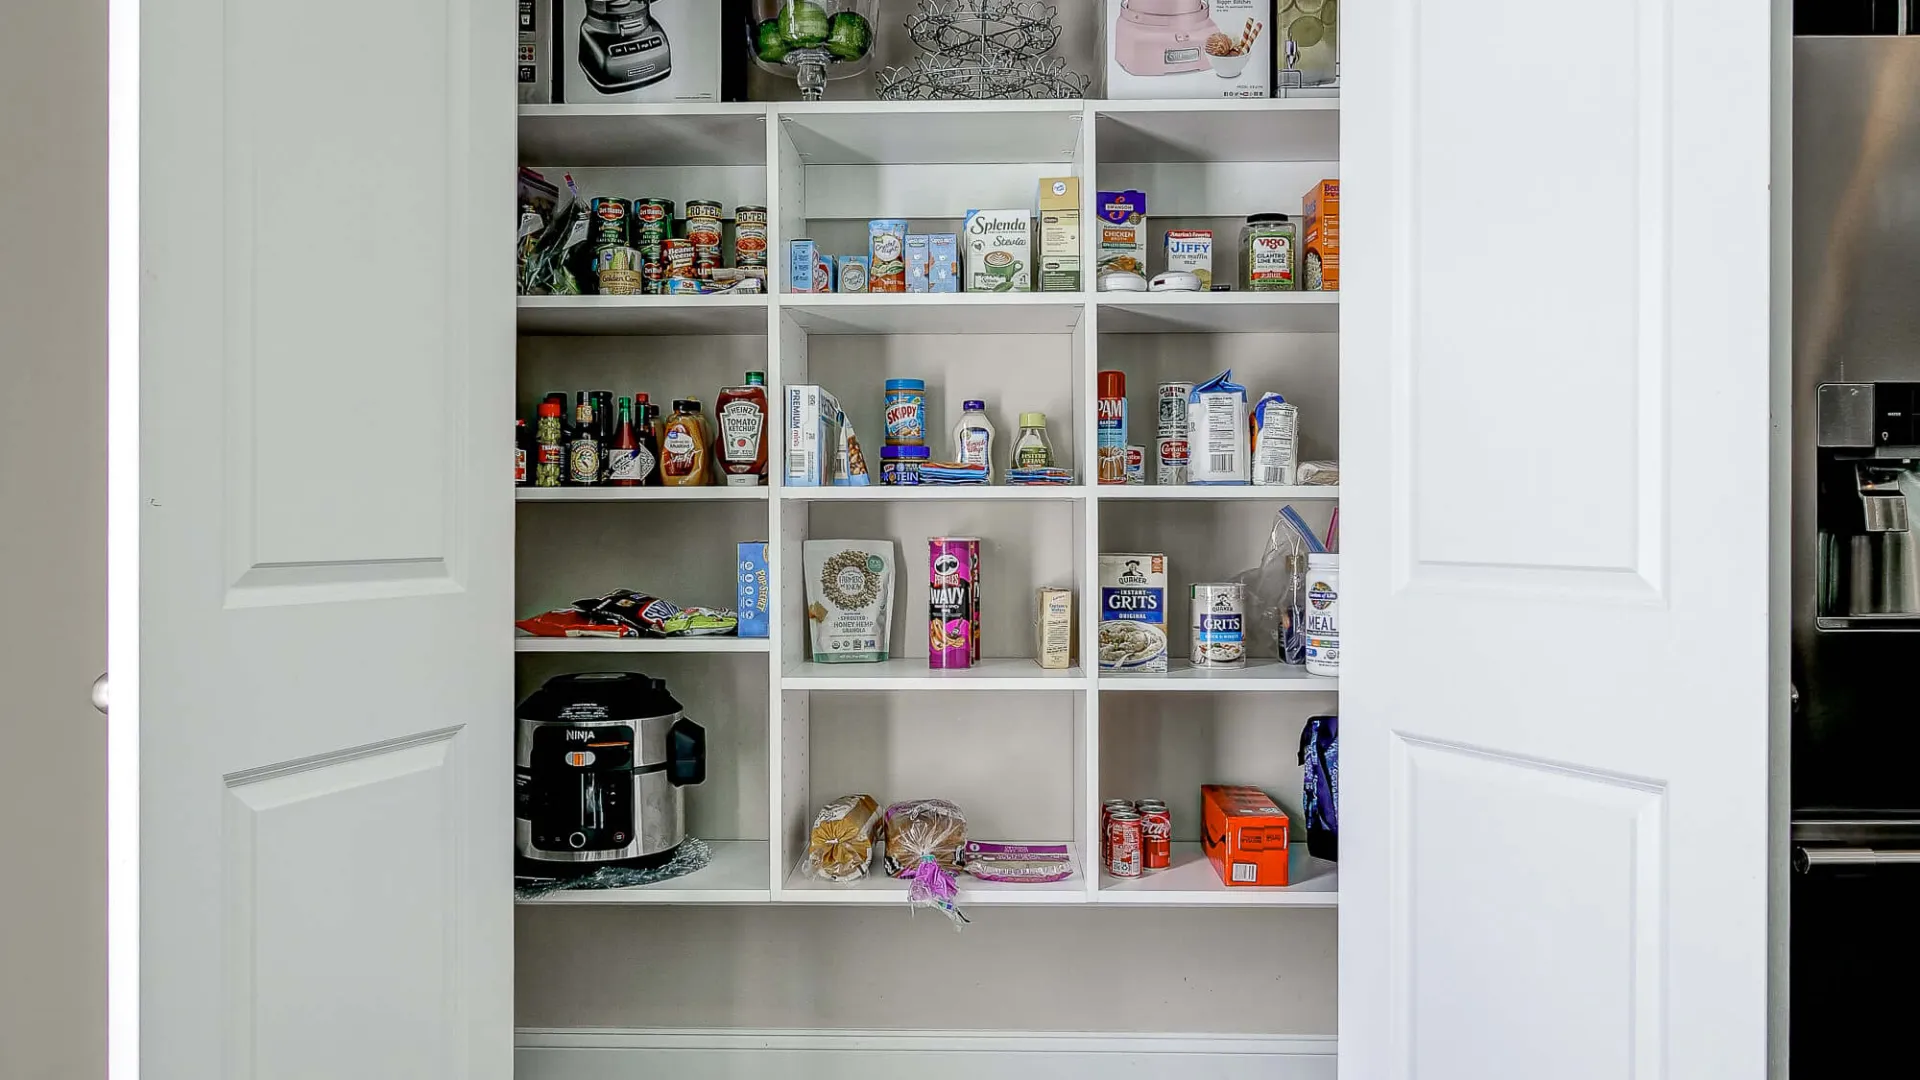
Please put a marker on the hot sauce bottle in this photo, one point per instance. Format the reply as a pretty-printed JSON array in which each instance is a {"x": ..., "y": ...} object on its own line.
[
  {"x": 646, "y": 426},
  {"x": 741, "y": 443},
  {"x": 685, "y": 445}
]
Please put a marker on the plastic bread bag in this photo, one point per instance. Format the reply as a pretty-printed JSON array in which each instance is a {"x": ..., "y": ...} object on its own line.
[
  {"x": 840, "y": 847},
  {"x": 923, "y": 838}
]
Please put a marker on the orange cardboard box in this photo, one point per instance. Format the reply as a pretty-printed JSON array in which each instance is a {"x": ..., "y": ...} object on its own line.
[
  {"x": 1321, "y": 269},
  {"x": 1245, "y": 835}
]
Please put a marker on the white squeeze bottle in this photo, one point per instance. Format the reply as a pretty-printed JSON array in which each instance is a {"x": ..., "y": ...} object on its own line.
[{"x": 973, "y": 438}]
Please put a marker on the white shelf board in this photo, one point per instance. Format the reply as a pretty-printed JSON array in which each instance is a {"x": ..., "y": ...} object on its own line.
[
  {"x": 736, "y": 875},
  {"x": 716, "y": 493},
  {"x": 1261, "y": 675},
  {"x": 876, "y": 888},
  {"x": 1192, "y": 882},
  {"x": 1265, "y": 129},
  {"x": 935, "y": 313},
  {"x": 1216, "y": 492},
  {"x": 912, "y": 673},
  {"x": 591, "y": 645},
  {"x": 651, "y": 316},
  {"x": 938, "y": 493},
  {"x": 1220, "y": 313},
  {"x": 932, "y": 132},
  {"x": 642, "y": 135}
]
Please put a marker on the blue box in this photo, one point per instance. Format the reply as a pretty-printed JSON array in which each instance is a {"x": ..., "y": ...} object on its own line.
[
  {"x": 808, "y": 269},
  {"x": 919, "y": 262},
  {"x": 943, "y": 262},
  {"x": 751, "y": 591}
]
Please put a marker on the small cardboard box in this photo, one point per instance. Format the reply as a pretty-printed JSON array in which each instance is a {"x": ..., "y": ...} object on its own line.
[
  {"x": 943, "y": 262},
  {"x": 1322, "y": 238},
  {"x": 853, "y": 273},
  {"x": 1060, "y": 234},
  {"x": 813, "y": 435},
  {"x": 1192, "y": 250},
  {"x": 1053, "y": 627},
  {"x": 1245, "y": 835},
  {"x": 999, "y": 250},
  {"x": 919, "y": 262},
  {"x": 750, "y": 589},
  {"x": 670, "y": 54},
  {"x": 809, "y": 270}
]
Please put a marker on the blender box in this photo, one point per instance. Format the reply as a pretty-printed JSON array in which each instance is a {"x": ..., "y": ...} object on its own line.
[
  {"x": 535, "y": 60},
  {"x": 1245, "y": 835},
  {"x": 1188, "y": 48},
  {"x": 638, "y": 50},
  {"x": 1321, "y": 239},
  {"x": 750, "y": 588}
]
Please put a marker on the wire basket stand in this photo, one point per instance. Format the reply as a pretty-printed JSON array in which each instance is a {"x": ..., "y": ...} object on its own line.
[{"x": 983, "y": 49}]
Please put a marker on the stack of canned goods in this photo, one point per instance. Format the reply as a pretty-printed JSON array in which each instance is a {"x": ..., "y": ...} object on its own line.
[
  {"x": 1135, "y": 836},
  {"x": 1172, "y": 449}
]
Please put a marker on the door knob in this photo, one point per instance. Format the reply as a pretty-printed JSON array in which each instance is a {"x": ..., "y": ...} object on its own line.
[{"x": 100, "y": 693}]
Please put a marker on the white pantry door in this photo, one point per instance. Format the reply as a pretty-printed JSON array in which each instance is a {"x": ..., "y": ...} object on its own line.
[
  {"x": 1554, "y": 425},
  {"x": 322, "y": 688}
]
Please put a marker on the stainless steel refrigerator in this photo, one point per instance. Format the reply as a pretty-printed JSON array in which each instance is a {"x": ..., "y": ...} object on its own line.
[{"x": 1855, "y": 919}]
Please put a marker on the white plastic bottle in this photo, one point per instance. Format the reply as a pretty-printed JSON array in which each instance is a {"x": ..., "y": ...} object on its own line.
[
  {"x": 973, "y": 438},
  {"x": 1323, "y": 614}
]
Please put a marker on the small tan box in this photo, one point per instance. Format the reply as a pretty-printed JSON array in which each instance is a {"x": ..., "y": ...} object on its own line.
[
  {"x": 1060, "y": 234},
  {"x": 1053, "y": 628}
]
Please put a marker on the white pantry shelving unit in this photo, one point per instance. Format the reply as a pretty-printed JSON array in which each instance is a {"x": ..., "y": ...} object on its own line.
[{"x": 1027, "y": 752}]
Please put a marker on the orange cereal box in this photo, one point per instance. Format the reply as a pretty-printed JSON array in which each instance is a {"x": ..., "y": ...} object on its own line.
[
  {"x": 1245, "y": 835},
  {"x": 1322, "y": 269}
]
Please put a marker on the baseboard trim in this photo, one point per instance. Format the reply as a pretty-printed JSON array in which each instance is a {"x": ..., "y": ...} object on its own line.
[{"x": 639, "y": 1054}]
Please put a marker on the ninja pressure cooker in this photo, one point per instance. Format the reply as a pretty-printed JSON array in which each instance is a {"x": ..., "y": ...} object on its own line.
[{"x": 601, "y": 759}]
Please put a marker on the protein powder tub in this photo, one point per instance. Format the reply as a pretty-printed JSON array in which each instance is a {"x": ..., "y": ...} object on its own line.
[{"x": 1323, "y": 614}]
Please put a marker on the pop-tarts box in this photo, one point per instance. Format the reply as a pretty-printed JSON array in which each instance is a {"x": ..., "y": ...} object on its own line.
[
  {"x": 919, "y": 262},
  {"x": 750, "y": 589},
  {"x": 809, "y": 270},
  {"x": 943, "y": 262},
  {"x": 813, "y": 435}
]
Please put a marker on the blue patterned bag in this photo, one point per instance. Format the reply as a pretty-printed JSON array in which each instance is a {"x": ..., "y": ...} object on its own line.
[{"x": 1320, "y": 785}]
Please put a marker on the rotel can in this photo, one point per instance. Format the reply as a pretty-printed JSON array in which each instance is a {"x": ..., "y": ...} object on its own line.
[
  {"x": 704, "y": 233},
  {"x": 1156, "y": 829},
  {"x": 750, "y": 237},
  {"x": 1125, "y": 844}
]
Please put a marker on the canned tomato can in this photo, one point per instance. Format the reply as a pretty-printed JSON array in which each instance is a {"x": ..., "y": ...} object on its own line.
[
  {"x": 1173, "y": 454},
  {"x": 1125, "y": 843},
  {"x": 703, "y": 232},
  {"x": 952, "y": 603},
  {"x": 678, "y": 258},
  {"x": 1219, "y": 614},
  {"x": 1136, "y": 464},
  {"x": 652, "y": 224},
  {"x": 750, "y": 237},
  {"x": 1173, "y": 408},
  {"x": 1156, "y": 833}
]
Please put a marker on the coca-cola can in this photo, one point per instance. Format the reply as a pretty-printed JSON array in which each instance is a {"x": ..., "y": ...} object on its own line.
[
  {"x": 1126, "y": 844},
  {"x": 1107, "y": 808},
  {"x": 1156, "y": 831}
]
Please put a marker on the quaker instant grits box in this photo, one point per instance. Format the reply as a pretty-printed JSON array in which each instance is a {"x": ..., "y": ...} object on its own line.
[{"x": 999, "y": 250}]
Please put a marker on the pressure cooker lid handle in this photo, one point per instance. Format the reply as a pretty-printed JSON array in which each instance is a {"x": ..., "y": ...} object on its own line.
[{"x": 686, "y": 753}]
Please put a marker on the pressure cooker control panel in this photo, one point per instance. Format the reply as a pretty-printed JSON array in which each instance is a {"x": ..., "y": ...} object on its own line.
[{"x": 577, "y": 790}]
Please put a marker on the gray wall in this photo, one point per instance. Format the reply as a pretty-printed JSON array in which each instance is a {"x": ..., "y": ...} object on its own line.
[{"x": 53, "y": 237}]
